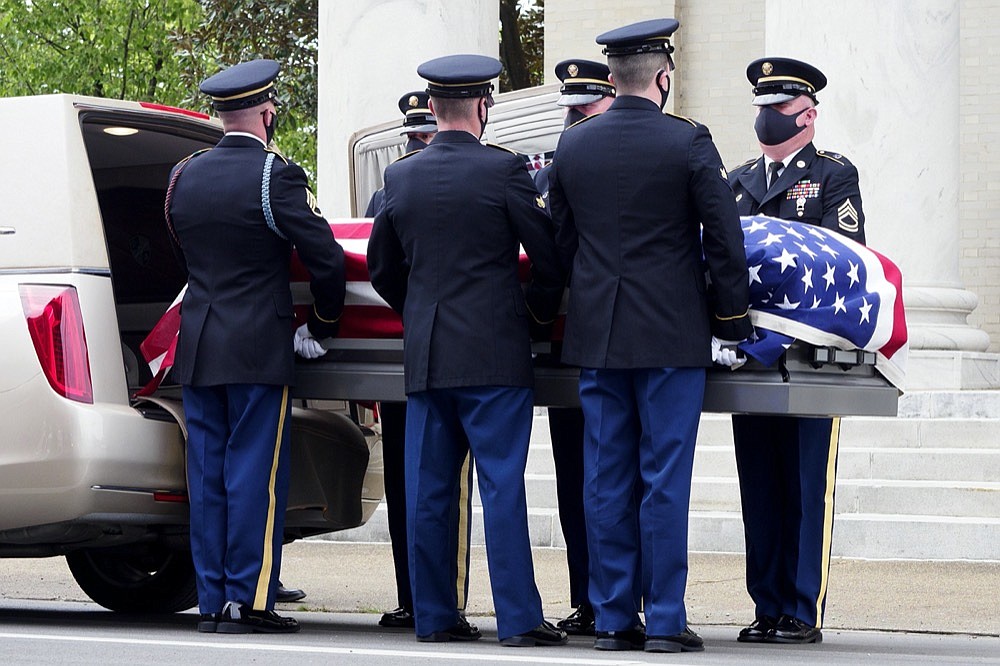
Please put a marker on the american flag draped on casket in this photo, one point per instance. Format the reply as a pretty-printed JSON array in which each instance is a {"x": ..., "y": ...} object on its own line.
[
  {"x": 365, "y": 315},
  {"x": 812, "y": 284},
  {"x": 806, "y": 283}
]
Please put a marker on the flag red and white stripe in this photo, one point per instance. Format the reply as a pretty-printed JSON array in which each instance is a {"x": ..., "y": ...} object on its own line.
[{"x": 366, "y": 314}]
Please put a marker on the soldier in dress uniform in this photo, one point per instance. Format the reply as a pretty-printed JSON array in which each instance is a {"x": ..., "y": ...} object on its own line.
[
  {"x": 234, "y": 212},
  {"x": 585, "y": 91},
  {"x": 444, "y": 254},
  {"x": 640, "y": 326},
  {"x": 787, "y": 464},
  {"x": 419, "y": 126}
]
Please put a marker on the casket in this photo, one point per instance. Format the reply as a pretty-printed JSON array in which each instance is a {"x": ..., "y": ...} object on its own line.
[{"x": 811, "y": 357}]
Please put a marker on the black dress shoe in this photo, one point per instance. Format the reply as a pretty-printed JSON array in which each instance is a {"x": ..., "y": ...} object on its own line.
[
  {"x": 285, "y": 595},
  {"x": 580, "y": 623},
  {"x": 401, "y": 618},
  {"x": 208, "y": 622},
  {"x": 543, "y": 634},
  {"x": 793, "y": 630},
  {"x": 629, "y": 639},
  {"x": 239, "y": 618},
  {"x": 758, "y": 631},
  {"x": 686, "y": 641},
  {"x": 461, "y": 631}
]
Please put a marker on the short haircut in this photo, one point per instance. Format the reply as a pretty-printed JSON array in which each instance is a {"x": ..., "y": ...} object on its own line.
[
  {"x": 241, "y": 117},
  {"x": 451, "y": 109},
  {"x": 634, "y": 72}
]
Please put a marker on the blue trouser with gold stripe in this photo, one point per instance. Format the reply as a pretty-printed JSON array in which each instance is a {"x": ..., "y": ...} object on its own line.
[
  {"x": 497, "y": 422},
  {"x": 237, "y": 468},
  {"x": 788, "y": 468},
  {"x": 640, "y": 427}
]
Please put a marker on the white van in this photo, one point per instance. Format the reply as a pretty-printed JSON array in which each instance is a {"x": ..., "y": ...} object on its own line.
[{"x": 86, "y": 270}]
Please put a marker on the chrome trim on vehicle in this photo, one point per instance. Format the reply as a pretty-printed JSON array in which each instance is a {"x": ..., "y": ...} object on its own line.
[{"x": 130, "y": 489}]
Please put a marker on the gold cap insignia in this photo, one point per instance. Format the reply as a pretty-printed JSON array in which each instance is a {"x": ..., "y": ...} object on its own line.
[
  {"x": 413, "y": 101},
  {"x": 767, "y": 68},
  {"x": 540, "y": 202},
  {"x": 573, "y": 70}
]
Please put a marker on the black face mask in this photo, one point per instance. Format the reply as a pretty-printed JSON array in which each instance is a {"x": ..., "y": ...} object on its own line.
[
  {"x": 774, "y": 127},
  {"x": 664, "y": 94},
  {"x": 269, "y": 129},
  {"x": 483, "y": 120},
  {"x": 573, "y": 115}
]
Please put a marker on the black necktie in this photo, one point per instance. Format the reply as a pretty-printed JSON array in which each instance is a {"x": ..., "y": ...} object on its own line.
[{"x": 772, "y": 173}]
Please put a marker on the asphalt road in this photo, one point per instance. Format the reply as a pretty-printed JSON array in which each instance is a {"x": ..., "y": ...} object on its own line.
[{"x": 878, "y": 612}]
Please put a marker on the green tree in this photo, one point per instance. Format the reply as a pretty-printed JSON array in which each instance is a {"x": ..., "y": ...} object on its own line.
[
  {"x": 104, "y": 48},
  {"x": 160, "y": 50},
  {"x": 236, "y": 30},
  {"x": 522, "y": 43}
]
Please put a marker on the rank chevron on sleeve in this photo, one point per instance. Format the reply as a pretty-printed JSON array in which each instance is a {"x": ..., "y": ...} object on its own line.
[{"x": 847, "y": 216}]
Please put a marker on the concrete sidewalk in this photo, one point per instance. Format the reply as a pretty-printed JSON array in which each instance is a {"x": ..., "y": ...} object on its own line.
[
  {"x": 919, "y": 596},
  {"x": 915, "y": 596}
]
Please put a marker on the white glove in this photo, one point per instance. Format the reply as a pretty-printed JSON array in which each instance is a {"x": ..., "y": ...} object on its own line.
[
  {"x": 306, "y": 345},
  {"x": 724, "y": 353}
]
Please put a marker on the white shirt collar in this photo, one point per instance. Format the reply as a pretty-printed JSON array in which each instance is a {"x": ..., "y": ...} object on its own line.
[
  {"x": 788, "y": 160},
  {"x": 253, "y": 136}
]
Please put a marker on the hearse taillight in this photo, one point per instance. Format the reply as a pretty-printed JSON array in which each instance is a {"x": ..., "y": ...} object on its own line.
[{"x": 55, "y": 323}]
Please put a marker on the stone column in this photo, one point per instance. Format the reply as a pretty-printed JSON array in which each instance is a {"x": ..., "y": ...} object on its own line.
[
  {"x": 572, "y": 25},
  {"x": 892, "y": 106},
  {"x": 368, "y": 57}
]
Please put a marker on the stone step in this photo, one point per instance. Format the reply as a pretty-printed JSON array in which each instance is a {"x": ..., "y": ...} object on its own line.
[
  {"x": 930, "y": 464},
  {"x": 951, "y": 463},
  {"x": 859, "y": 496},
  {"x": 873, "y": 496},
  {"x": 861, "y": 535},
  {"x": 870, "y": 536},
  {"x": 716, "y": 430},
  {"x": 966, "y": 404}
]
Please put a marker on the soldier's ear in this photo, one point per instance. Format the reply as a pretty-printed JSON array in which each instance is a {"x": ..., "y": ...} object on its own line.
[{"x": 430, "y": 105}]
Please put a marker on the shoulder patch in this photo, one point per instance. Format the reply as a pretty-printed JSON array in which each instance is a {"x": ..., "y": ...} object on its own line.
[
  {"x": 685, "y": 119},
  {"x": 277, "y": 153},
  {"x": 833, "y": 157},
  {"x": 403, "y": 157},
  {"x": 583, "y": 120}
]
